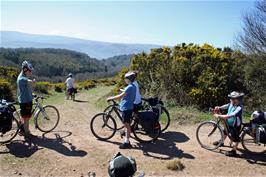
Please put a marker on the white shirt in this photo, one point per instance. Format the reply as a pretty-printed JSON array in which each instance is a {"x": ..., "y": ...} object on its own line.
[
  {"x": 138, "y": 96},
  {"x": 70, "y": 82}
]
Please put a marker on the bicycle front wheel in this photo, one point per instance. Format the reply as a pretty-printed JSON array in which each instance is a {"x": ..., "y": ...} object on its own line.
[
  {"x": 11, "y": 134},
  {"x": 143, "y": 136},
  {"x": 164, "y": 119},
  {"x": 103, "y": 126},
  {"x": 209, "y": 135},
  {"x": 250, "y": 145},
  {"x": 47, "y": 119}
]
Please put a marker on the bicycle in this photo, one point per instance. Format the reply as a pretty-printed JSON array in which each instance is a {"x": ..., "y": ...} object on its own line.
[
  {"x": 46, "y": 118},
  {"x": 211, "y": 131},
  {"x": 72, "y": 93},
  {"x": 155, "y": 105},
  {"x": 106, "y": 126}
]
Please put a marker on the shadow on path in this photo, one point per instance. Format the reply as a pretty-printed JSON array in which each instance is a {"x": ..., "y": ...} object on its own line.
[{"x": 27, "y": 148}]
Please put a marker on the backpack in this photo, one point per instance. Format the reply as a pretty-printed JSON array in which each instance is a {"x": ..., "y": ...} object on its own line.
[
  {"x": 6, "y": 116},
  {"x": 148, "y": 120},
  {"x": 261, "y": 134},
  {"x": 121, "y": 166}
]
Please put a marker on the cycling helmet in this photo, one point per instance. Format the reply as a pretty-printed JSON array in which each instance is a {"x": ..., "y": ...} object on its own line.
[
  {"x": 69, "y": 75},
  {"x": 236, "y": 95},
  {"x": 130, "y": 76},
  {"x": 27, "y": 65}
]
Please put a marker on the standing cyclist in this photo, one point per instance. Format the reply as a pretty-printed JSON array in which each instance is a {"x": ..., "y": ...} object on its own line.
[
  {"x": 24, "y": 94},
  {"x": 70, "y": 85},
  {"x": 233, "y": 119},
  {"x": 137, "y": 102},
  {"x": 126, "y": 105}
]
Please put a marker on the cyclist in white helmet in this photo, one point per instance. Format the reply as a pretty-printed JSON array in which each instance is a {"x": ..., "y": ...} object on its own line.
[
  {"x": 24, "y": 94},
  {"x": 70, "y": 84}
]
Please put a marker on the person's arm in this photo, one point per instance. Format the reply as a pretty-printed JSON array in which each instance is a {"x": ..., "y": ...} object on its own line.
[
  {"x": 117, "y": 97},
  {"x": 31, "y": 81},
  {"x": 223, "y": 116},
  {"x": 223, "y": 107}
]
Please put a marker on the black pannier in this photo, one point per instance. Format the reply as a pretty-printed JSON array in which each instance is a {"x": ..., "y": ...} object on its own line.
[
  {"x": 6, "y": 116},
  {"x": 121, "y": 166},
  {"x": 148, "y": 121}
]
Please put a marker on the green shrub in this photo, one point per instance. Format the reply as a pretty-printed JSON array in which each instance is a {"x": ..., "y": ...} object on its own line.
[
  {"x": 42, "y": 87},
  {"x": 88, "y": 84},
  {"x": 59, "y": 87},
  {"x": 6, "y": 90}
]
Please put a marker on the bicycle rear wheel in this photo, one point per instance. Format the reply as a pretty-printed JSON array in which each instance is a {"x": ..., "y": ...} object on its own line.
[
  {"x": 118, "y": 121},
  {"x": 209, "y": 135},
  {"x": 103, "y": 126},
  {"x": 142, "y": 136},
  {"x": 47, "y": 119},
  {"x": 164, "y": 119},
  {"x": 250, "y": 145},
  {"x": 11, "y": 134}
]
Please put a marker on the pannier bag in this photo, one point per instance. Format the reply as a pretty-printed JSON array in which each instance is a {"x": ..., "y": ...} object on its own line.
[
  {"x": 6, "y": 116},
  {"x": 148, "y": 121},
  {"x": 154, "y": 101},
  {"x": 121, "y": 166},
  {"x": 261, "y": 134}
]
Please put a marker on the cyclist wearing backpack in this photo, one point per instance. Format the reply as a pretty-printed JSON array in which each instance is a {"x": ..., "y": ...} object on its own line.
[
  {"x": 70, "y": 85},
  {"x": 233, "y": 119},
  {"x": 126, "y": 105},
  {"x": 24, "y": 94}
]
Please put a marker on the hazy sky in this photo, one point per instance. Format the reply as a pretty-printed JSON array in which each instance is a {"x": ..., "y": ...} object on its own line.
[{"x": 157, "y": 22}]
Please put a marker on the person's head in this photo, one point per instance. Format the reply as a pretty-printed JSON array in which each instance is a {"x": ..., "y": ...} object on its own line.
[
  {"x": 27, "y": 68},
  {"x": 130, "y": 77},
  {"x": 236, "y": 97},
  {"x": 70, "y": 75}
]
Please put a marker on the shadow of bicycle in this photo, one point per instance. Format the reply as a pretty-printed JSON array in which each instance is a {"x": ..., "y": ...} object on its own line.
[{"x": 22, "y": 149}]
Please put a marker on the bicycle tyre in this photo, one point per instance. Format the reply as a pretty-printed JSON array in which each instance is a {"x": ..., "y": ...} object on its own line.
[
  {"x": 14, "y": 135},
  {"x": 165, "y": 126},
  {"x": 137, "y": 130},
  {"x": 252, "y": 140},
  {"x": 37, "y": 119},
  {"x": 216, "y": 127},
  {"x": 103, "y": 116}
]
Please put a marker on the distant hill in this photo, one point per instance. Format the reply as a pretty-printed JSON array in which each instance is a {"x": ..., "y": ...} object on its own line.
[
  {"x": 95, "y": 49},
  {"x": 55, "y": 64}
]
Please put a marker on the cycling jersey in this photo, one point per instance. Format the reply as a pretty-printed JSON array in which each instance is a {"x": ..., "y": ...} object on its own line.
[{"x": 235, "y": 114}]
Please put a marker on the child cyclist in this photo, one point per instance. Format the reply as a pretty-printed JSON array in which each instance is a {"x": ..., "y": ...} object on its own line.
[
  {"x": 126, "y": 105},
  {"x": 233, "y": 119}
]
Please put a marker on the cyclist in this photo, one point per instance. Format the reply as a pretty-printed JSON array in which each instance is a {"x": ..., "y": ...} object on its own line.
[
  {"x": 70, "y": 81},
  {"x": 137, "y": 102},
  {"x": 233, "y": 119},
  {"x": 24, "y": 94},
  {"x": 126, "y": 105}
]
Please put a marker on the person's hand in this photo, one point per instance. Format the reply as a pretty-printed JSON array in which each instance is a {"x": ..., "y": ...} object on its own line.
[
  {"x": 216, "y": 116},
  {"x": 217, "y": 108},
  {"x": 109, "y": 99},
  {"x": 34, "y": 80}
]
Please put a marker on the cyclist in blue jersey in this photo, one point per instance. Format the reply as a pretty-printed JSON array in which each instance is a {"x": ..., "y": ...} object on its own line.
[
  {"x": 126, "y": 105},
  {"x": 233, "y": 119}
]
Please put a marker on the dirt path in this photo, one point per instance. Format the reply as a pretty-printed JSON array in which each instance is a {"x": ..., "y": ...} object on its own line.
[{"x": 71, "y": 150}]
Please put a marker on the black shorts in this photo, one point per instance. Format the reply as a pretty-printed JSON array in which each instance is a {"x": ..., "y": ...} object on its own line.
[
  {"x": 25, "y": 109},
  {"x": 126, "y": 116},
  {"x": 71, "y": 90},
  {"x": 137, "y": 107},
  {"x": 234, "y": 133}
]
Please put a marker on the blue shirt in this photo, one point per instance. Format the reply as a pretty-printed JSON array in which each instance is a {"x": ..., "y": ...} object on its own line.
[
  {"x": 127, "y": 102},
  {"x": 24, "y": 90},
  {"x": 236, "y": 113}
]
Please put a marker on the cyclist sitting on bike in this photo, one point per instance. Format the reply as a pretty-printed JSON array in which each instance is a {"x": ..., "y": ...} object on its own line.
[
  {"x": 70, "y": 85},
  {"x": 24, "y": 94},
  {"x": 126, "y": 105},
  {"x": 233, "y": 119}
]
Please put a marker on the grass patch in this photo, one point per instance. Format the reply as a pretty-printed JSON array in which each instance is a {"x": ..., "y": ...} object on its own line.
[{"x": 175, "y": 165}]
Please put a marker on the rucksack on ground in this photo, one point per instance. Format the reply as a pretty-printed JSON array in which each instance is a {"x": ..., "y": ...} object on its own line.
[
  {"x": 121, "y": 166},
  {"x": 6, "y": 116},
  {"x": 148, "y": 120}
]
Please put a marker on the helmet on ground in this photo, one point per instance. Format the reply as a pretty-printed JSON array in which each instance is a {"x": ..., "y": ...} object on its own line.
[
  {"x": 130, "y": 76},
  {"x": 236, "y": 95},
  {"x": 27, "y": 65}
]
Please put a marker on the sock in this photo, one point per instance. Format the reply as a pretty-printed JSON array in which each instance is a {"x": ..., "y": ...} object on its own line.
[{"x": 126, "y": 140}]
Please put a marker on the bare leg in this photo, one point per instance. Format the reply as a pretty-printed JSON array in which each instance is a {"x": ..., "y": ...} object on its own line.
[{"x": 128, "y": 131}]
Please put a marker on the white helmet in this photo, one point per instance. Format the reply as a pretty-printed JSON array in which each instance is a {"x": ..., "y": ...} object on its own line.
[
  {"x": 27, "y": 65},
  {"x": 130, "y": 75},
  {"x": 258, "y": 114}
]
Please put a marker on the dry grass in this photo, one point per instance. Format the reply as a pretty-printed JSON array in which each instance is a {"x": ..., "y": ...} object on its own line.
[{"x": 175, "y": 165}]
